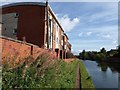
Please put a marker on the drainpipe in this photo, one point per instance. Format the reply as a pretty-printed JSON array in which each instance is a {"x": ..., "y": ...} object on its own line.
[{"x": 47, "y": 24}]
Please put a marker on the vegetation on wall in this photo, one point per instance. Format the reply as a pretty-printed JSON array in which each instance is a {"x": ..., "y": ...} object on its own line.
[{"x": 39, "y": 73}]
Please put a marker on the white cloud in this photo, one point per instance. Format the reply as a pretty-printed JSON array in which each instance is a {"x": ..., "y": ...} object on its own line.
[
  {"x": 84, "y": 34},
  {"x": 108, "y": 32},
  {"x": 92, "y": 45},
  {"x": 88, "y": 33},
  {"x": 104, "y": 15},
  {"x": 67, "y": 23},
  {"x": 80, "y": 50},
  {"x": 80, "y": 34},
  {"x": 106, "y": 36},
  {"x": 114, "y": 42}
]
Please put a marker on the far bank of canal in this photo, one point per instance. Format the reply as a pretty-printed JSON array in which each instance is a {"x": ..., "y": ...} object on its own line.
[{"x": 103, "y": 76}]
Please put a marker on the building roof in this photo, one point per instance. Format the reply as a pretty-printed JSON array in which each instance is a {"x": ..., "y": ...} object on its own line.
[
  {"x": 66, "y": 36},
  {"x": 69, "y": 44},
  {"x": 51, "y": 11},
  {"x": 24, "y": 3}
]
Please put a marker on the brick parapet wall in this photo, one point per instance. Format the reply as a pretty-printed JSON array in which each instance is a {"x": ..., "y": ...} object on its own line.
[{"x": 19, "y": 50}]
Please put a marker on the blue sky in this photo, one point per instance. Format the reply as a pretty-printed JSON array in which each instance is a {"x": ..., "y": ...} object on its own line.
[{"x": 89, "y": 25}]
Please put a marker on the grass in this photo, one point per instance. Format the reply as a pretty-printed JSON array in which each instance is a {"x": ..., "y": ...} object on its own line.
[
  {"x": 44, "y": 73},
  {"x": 63, "y": 75},
  {"x": 40, "y": 73},
  {"x": 85, "y": 83}
]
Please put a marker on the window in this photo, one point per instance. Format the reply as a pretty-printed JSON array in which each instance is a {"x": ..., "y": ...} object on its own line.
[
  {"x": 54, "y": 24},
  {"x": 57, "y": 28},
  {"x": 16, "y": 15},
  {"x": 54, "y": 37},
  {"x": 15, "y": 31},
  {"x": 57, "y": 41},
  {"x": 50, "y": 22},
  {"x": 5, "y": 29},
  {"x": 60, "y": 42}
]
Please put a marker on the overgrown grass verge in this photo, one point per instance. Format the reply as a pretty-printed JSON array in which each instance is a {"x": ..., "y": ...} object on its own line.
[
  {"x": 39, "y": 73},
  {"x": 86, "y": 80},
  {"x": 63, "y": 75},
  {"x": 42, "y": 73}
]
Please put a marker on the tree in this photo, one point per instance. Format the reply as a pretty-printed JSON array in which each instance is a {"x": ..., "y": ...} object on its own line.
[
  {"x": 119, "y": 50},
  {"x": 103, "y": 51},
  {"x": 83, "y": 54}
]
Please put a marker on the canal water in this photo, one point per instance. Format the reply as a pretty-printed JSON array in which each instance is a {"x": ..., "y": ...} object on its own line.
[{"x": 103, "y": 75}]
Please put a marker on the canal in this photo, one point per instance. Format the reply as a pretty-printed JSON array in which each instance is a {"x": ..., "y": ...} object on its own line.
[{"x": 104, "y": 75}]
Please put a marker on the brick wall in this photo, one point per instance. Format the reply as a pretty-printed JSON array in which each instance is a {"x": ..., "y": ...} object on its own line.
[
  {"x": 31, "y": 22},
  {"x": 19, "y": 50}
]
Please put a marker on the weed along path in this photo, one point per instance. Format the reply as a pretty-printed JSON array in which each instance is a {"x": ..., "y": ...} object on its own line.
[
  {"x": 85, "y": 82},
  {"x": 78, "y": 80},
  {"x": 70, "y": 73},
  {"x": 78, "y": 76}
]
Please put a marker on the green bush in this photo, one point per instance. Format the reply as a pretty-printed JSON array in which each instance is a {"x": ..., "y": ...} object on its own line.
[
  {"x": 40, "y": 73},
  {"x": 26, "y": 75}
]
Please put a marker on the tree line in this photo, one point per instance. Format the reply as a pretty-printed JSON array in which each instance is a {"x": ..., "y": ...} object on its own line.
[{"x": 102, "y": 55}]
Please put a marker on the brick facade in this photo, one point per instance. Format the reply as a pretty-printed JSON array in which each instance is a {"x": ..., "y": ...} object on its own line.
[
  {"x": 21, "y": 50},
  {"x": 37, "y": 24},
  {"x": 31, "y": 23}
]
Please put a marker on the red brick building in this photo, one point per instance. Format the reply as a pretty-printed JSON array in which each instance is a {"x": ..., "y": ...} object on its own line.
[{"x": 34, "y": 23}]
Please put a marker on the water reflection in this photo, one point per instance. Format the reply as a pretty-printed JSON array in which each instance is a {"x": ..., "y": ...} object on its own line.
[
  {"x": 104, "y": 74},
  {"x": 114, "y": 66},
  {"x": 103, "y": 66}
]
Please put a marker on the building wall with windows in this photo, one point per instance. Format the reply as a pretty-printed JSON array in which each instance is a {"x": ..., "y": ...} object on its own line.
[
  {"x": 69, "y": 47},
  {"x": 61, "y": 36},
  {"x": 65, "y": 41},
  {"x": 30, "y": 24},
  {"x": 34, "y": 23},
  {"x": 54, "y": 34}
]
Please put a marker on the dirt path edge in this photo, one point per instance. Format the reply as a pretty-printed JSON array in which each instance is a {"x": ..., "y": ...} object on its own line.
[{"x": 78, "y": 79}]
